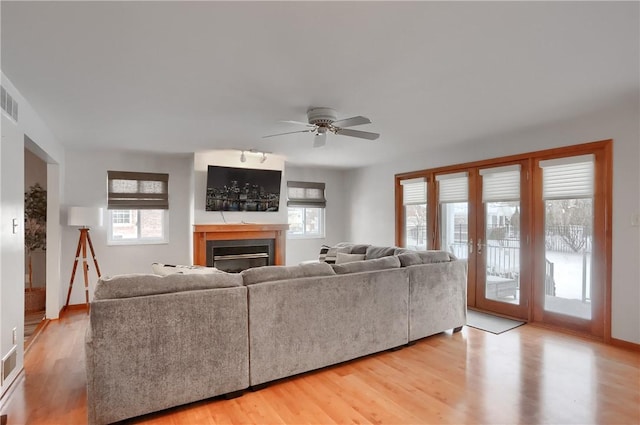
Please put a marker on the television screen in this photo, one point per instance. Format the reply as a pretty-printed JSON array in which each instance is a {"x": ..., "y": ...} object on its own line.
[{"x": 242, "y": 189}]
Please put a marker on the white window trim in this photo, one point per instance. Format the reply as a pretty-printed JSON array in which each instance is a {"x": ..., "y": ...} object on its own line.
[{"x": 147, "y": 241}]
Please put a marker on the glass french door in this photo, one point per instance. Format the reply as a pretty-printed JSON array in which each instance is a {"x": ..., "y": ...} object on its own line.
[
  {"x": 481, "y": 220},
  {"x": 572, "y": 224},
  {"x": 502, "y": 240}
]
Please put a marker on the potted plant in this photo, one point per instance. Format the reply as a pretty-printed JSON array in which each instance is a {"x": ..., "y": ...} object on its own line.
[{"x": 35, "y": 237}]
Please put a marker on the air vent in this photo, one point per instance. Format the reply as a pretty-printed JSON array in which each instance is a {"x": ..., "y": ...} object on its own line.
[
  {"x": 9, "y": 105},
  {"x": 9, "y": 363}
]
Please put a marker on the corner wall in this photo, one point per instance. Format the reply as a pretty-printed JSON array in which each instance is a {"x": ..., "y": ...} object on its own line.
[
  {"x": 372, "y": 192},
  {"x": 87, "y": 187},
  {"x": 335, "y": 213}
]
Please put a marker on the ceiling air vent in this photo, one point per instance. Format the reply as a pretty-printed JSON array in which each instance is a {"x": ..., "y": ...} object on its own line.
[{"x": 9, "y": 105}]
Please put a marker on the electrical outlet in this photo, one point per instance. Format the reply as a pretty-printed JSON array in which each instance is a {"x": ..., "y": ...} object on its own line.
[
  {"x": 14, "y": 336},
  {"x": 635, "y": 220}
]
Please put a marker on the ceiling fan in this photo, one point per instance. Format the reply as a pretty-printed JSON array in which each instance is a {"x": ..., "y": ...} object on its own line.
[{"x": 324, "y": 120}]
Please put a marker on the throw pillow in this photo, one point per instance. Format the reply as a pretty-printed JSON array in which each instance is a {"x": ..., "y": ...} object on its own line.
[
  {"x": 332, "y": 254},
  {"x": 348, "y": 258},
  {"x": 167, "y": 269},
  {"x": 323, "y": 252}
]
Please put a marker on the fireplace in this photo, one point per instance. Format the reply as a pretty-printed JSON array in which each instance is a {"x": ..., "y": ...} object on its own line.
[
  {"x": 236, "y": 255},
  {"x": 232, "y": 236}
]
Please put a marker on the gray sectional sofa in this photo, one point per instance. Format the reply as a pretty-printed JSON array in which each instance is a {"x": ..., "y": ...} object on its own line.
[{"x": 157, "y": 342}]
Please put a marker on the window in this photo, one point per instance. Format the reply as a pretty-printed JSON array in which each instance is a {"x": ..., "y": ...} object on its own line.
[
  {"x": 454, "y": 217},
  {"x": 138, "y": 204},
  {"x": 121, "y": 216},
  {"x": 414, "y": 200},
  {"x": 306, "y": 207}
]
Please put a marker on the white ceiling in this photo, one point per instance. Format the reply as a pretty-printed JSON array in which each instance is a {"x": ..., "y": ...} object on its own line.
[{"x": 194, "y": 76}]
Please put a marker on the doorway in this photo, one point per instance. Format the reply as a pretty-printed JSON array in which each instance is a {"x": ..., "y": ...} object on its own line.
[{"x": 35, "y": 192}]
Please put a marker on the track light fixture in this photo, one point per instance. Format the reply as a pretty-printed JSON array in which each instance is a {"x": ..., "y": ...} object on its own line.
[
  {"x": 264, "y": 158},
  {"x": 243, "y": 158}
]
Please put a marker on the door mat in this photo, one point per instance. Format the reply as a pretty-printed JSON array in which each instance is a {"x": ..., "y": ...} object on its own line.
[{"x": 487, "y": 322}]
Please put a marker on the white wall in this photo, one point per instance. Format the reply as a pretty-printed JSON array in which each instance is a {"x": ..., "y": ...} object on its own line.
[
  {"x": 231, "y": 158},
  {"x": 335, "y": 214},
  {"x": 12, "y": 201},
  {"x": 86, "y": 185},
  {"x": 372, "y": 192}
]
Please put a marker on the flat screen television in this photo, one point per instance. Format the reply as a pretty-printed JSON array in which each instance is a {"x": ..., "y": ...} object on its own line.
[{"x": 242, "y": 189}]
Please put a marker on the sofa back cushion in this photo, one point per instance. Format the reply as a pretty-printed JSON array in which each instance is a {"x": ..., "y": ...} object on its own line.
[
  {"x": 348, "y": 258},
  {"x": 273, "y": 273},
  {"x": 424, "y": 257},
  {"x": 374, "y": 252},
  {"x": 136, "y": 285},
  {"x": 367, "y": 265}
]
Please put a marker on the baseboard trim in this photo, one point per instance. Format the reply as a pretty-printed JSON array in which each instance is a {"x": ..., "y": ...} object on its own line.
[{"x": 625, "y": 344}]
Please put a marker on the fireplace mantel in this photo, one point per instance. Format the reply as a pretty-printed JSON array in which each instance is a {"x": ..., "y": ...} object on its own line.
[{"x": 222, "y": 232}]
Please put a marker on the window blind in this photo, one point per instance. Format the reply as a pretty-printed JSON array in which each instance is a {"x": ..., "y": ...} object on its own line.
[
  {"x": 569, "y": 177},
  {"x": 305, "y": 194},
  {"x": 501, "y": 183},
  {"x": 137, "y": 191},
  {"x": 414, "y": 191},
  {"x": 453, "y": 187}
]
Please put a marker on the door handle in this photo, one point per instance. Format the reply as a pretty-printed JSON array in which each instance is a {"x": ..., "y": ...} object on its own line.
[
  {"x": 470, "y": 246},
  {"x": 479, "y": 246}
]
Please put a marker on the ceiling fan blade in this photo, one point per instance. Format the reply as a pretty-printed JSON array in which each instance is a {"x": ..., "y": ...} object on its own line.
[
  {"x": 290, "y": 132},
  {"x": 357, "y": 133},
  {"x": 320, "y": 140},
  {"x": 350, "y": 122},
  {"x": 300, "y": 123}
]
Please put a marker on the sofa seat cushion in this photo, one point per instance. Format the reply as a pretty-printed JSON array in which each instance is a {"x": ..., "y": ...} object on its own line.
[
  {"x": 136, "y": 285},
  {"x": 167, "y": 269},
  {"x": 367, "y": 265},
  {"x": 374, "y": 252},
  {"x": 273, "y": 273}
]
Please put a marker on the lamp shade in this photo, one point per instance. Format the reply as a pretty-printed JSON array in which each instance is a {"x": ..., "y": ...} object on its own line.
[{"x": 84, "y": 216}]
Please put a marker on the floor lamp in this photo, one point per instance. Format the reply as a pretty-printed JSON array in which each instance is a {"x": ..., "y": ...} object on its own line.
[{"x": 84, "y": 218}]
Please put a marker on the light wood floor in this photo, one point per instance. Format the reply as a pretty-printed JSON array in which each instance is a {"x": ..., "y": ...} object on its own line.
[{"x": 527, "y": 375}]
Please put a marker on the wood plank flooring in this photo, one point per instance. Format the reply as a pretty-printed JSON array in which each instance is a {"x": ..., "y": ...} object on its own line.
[{"x": 526, "y": 375}]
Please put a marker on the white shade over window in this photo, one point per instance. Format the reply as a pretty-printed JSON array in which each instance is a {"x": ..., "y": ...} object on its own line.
[
  {"x": 305, "y": 194},
  {"x": 414, "y": 191},
  {"x": 453, "y": 187},
  {"x": 501, "y": 183},
  {"x": 131, "y": 190},
  {"x": 569, "y": 177}
]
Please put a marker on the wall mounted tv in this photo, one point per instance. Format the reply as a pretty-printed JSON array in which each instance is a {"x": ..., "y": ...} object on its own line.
[{"x": 242, "y": 189}]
